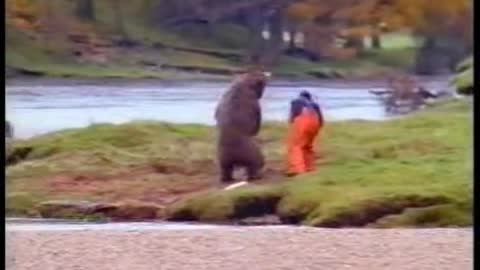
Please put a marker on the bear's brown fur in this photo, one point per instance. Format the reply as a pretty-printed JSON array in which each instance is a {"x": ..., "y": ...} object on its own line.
[{"x": 238, "y": 117}]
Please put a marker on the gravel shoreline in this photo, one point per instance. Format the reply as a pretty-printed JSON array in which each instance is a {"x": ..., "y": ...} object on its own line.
[{"x": 241, "y": 248}]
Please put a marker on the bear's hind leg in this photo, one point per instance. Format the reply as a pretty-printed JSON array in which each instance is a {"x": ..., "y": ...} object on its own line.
[
  {"x": 254, "y": 162},
  {"x": 226, "y": 173},
  {"x": 253, "y": 173}
]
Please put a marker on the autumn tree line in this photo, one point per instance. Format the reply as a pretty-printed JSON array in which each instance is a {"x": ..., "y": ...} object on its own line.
[{"x": 312, "y": 28}]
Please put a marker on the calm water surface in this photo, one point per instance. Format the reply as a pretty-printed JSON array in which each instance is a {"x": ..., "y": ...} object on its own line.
[{"x": 38, "y": 107}]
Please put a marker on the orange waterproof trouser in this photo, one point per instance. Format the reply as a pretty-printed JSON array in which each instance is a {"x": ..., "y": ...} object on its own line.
[{"x": 300, "y": 140}]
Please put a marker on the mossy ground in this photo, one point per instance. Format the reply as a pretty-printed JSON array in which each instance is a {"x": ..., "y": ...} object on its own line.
[
  {"x": 415, "y": 171},
  {"x": 410, "y": 172}
]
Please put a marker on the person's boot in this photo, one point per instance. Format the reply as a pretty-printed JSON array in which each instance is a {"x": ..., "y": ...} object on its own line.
[{"x": 291, "y": 174}]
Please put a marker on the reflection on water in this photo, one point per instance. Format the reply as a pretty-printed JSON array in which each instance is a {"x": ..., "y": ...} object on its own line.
[{"x": 36, "y": 108}]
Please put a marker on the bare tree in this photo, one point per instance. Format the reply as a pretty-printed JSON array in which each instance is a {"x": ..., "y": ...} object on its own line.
[
  {"x": 276, "y": 43},
  {"x": 255, "y": 25},
  {"x": 118, "y": 17}
]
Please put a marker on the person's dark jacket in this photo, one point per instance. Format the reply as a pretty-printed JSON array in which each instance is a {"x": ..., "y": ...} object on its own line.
[{"x": 297, "y": 105}]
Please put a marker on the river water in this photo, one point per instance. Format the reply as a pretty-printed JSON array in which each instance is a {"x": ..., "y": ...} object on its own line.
[
  {"x": 58, "y": 225},
  {"x": 40, "y": 224},
  {"x": 40, "y": 106}
]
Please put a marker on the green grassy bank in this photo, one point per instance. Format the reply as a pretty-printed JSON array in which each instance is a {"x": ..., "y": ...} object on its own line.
[{"x": 415, "y": 171}]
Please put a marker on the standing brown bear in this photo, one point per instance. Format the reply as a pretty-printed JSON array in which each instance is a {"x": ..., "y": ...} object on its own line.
[{"x": 238, "y": 117}]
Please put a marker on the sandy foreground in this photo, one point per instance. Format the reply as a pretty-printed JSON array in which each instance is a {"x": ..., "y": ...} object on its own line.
[{"x": 240, "y": 248}]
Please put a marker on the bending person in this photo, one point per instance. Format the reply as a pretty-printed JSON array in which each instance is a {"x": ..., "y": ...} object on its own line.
[{"x": 305, "y": 120}]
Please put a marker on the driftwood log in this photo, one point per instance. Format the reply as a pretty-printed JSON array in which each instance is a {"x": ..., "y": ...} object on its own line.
[{"x": 404, "y": 93}]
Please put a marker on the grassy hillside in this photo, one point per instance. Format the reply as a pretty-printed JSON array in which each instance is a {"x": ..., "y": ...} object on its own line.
[
  {"x": 408, "y": 172},
  {"x": 181, "y": 52}
]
